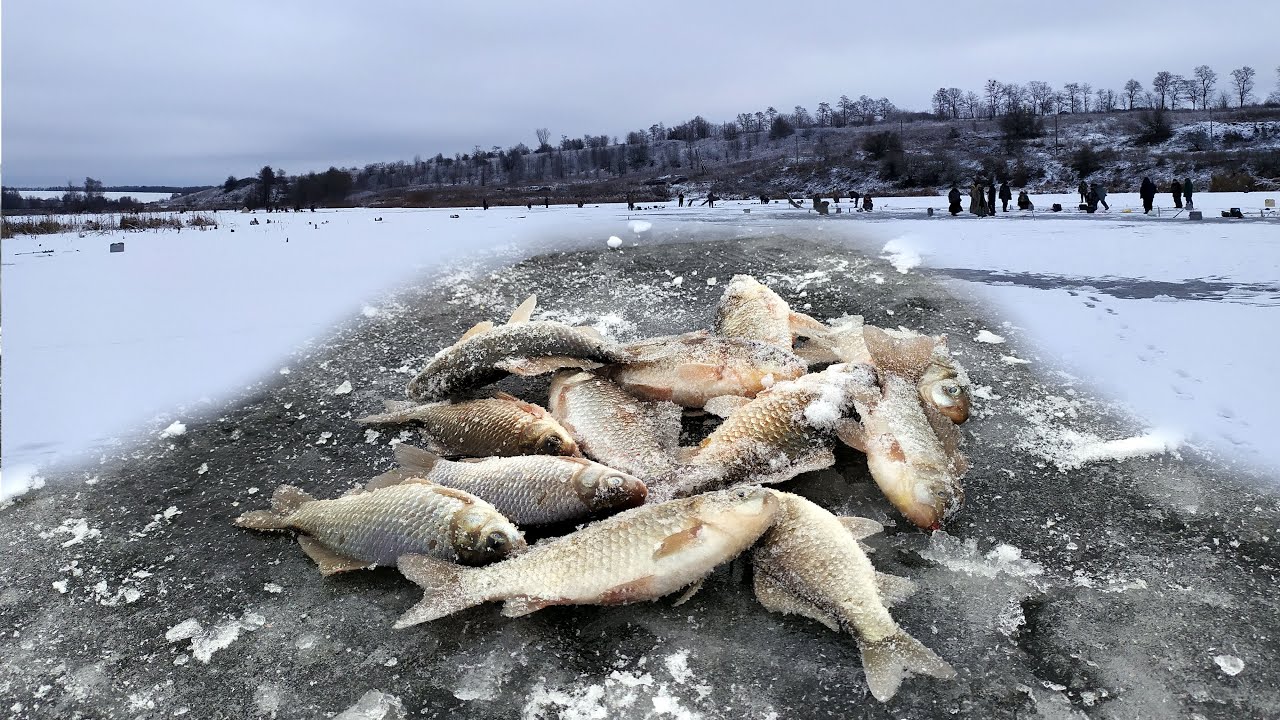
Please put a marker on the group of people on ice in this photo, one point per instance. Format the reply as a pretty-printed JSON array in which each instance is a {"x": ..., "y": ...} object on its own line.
[
  {"x": 1178, "y": 188},
  {"x": 982, "y": 199}
]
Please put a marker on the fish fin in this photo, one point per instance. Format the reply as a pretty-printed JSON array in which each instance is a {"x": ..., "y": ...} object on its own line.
[
  {"x": 816, "y": 459},
  {"x": 666, "y": 424},
  {"x": 678, "y": 541},
  {"x": 775, "y": 598},
  {"x": 393, "y": 477},
  {"x": 395, "y": 411},
  {"x": 525, "y": 311},
  {"x": 698, "y": 374},
  {"x": 263, "y": 520},
  {"x": 806, "y": 326},
  {"x": 542, "y": 365},
  {"x": 591, "y": 332},
  {"x": 638, "y": 589},
  {"x": 480, "y": 327},
  {"x": 688, "y": 593},
  {"x": 521, "y": 606},
  {"x": 907, "y": 356},
  {"x": 852, "y": 433},
  {"x": 392, "y": 406},
  {"x": 445, "y": 587},
  {"x": 330, "y": 562},
  {"x": 725, "y": 405},
  {"x": 889, "y": 660},
  {"x": 865, "y": 548},
  {"x": 658, "y": 393},
  {"x": 415, "y": 459},
  {"x": 287, "y": 499},
  {"x": 894, "y": 589},
  {"x": 536, "y": 411},
  {"x": 860, "y": 527},
  {"x": 817, "y": 352}
]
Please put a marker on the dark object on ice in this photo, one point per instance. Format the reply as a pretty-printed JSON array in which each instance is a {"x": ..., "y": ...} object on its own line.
[
  {"x": 1176, "y": 189},
  {"x": 867, "y": 203},
  {"x": 991, "y": 198},
  {"x": 529, "y": 205},
  {"x": 953, "y": 200},
  {"x": 454, "y": 216},
  {"x": 484, "y": 203},
  {"x": 764, "y": 199},
  {"x": 1233, "y": 213},
  {"x": 711, "y": 200},
  {"x": 822, "y": 206},
  {"x": 1024, "y": 201},
  {"x": 1195, "y": 215},
  {"x": 1186, "y": 192},
  {"x": 1100, "y": 191},
  {"x": 680, "y": 198},
  {"x": 579, "y": 203},
  {"x": 978, "y": 200},
  {"x": 1083, "y": 189},
  {"x": 1147, "y": 191},
  {"x": 254, "y": 221},
  {"x": 1005, "y": 195},
  {"x": 631, "y": 205},
  {"x": 1056, "y": 207},
  {"x": 929, "y": 212},
  {"x": 854, "y": 196},
  {"x": 117, "y": 247},
  {"x": 546, "y": 202}
]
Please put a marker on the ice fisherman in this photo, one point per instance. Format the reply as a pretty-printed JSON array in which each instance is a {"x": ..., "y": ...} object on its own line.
[
  {"x": 953, "y": 200},
  {"x": 1186, "y": 191},
  {"x": 1176, "y": 190},
  {"x": 1024, "y": 201},
  {"x": 1005, "y": 195},
  {"x": 1147, "y": 191}
]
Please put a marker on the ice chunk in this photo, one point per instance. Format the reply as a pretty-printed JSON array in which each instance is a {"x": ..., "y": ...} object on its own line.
[
  {"x": 1230, "y": 664},
  {"x": 678, "y": 665},
  {"x": 369, "y": 311},
  {"x": 614, "y": 242},
  {"x": 1011, "y": 360},
  {"x": 639, "y": 226},
  {"x": 184, "y": 630},
  {"x": 986, "y": 336},
  {"x": 374, "y": 705},
  {"x": 343, "y": 389},
  {"x": 950, "y": 552},
  {"x": 174, "y": 430}
]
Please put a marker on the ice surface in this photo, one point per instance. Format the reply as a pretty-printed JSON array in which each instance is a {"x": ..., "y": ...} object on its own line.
[
  {"x": 964, "y": 556},
  {"x": 343, "y": 389}
]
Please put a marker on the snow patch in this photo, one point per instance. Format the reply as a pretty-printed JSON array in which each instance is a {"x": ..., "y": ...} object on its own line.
[
  {"x": 1229, "y": 664},
  {"x": 614, "y": 242},
  {"x": 639, "y": 226},
  {"x": 901, "y": 256},
  {"x": 17, "y": 481},
  {"x": 77, "y": 528},
  {"x": 1011, "y": 360},
  {"x": 986, "y": 336},
  {"x": 204, "y": 643},
  {"x": 369, "y": 311},
  {"x": 174, "y": 430},
  {"x": 373, "y": 705},
  {"x": 343, "y": 389}
]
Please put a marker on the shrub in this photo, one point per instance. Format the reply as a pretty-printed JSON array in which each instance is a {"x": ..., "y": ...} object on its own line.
[
  {"x": 1086, "y": 161},
  {"x": 1232, "y": 182},
  {"x": 1152, "y": 128},
  {"x": 781, "y": 128},
  {"x": 880, "y": 144},
  {"x": 1232, "y": 137},
  {"x": 1018, "y": 126},
  {"x": 1197, "y": 140}
]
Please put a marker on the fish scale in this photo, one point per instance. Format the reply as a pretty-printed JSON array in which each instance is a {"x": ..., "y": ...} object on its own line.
[
  {"x": 382, "y": 525},
  {"x": 615, "y": 428}
]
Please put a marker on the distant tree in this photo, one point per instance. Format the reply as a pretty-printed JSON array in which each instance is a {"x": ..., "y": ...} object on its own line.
[
  {"x": 1071, "y": 93},
  {"x": 801, "y": 118},
  {"x": 1177, "y": 90},
  {"x": 1242, "y": 81},
  {"x": 823, "y": 117},
  {"x": 879, "y": 144},
  {"x": 972, "y": 104},
  {"x": 266, "y": 182},
  {"x": 1086, "y": 95},
  {"x": 1161, "y": 85},
  {"x": 230, "y": 184},
  {"x": 1274, "y": 97},
  {"x": 1205, "y": 79},
  {"x": 992, "y": 96},
  {"x": 1041, "y": 94},
  {"x": 93, "y": 188},
  {"x": 1131, "y": 91},
  {"x": 1014, "y": 96},
  {"x": 780, "y": 128},
  {"x": 544, "y": 135},
  {"x": 942, "y": 104},
  {"x": 1106, "y": 100},
  {"x": 1018, "y": 125},
  {"x": 846, "y": 110}
]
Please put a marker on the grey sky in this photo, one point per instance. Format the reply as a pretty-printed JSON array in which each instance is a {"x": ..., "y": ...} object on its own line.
[{"x": 187, "y": 93}]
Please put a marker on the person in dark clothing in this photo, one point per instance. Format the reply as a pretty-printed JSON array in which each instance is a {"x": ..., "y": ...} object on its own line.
[
  {"x": 1091, "y": 200},
  {"x": 1024, "y": 201},
  {"x": 680, "y": 197},
  {"x": 1176, "y": 189},
  {"x": 631, "y": 205},
  {"x": 546, "y": 202},
  {"x": 953, "y": 198},
  {"x": 1099, "y": 190},
  {"x": 991, "y": 198},
  {"x": 1005, "y": 195},
  {"x": 1147, "y": 191},
  {"x": 867, "y": 203},
  {"x": 1083, "y": 189},
  {"x": 1186, "y": 192},
  {"x": 854, "y": 196},
  {"x": 485, "y": 203},
  {"x": 529, "y": 204}
]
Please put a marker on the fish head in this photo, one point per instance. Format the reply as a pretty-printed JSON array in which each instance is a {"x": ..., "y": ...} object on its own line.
[
  {"x": 602, "y": 488},
  {"x": 482, "y": 535},
  {"x": 927, "y": 495},
  {"x": 944, "y": 388},
  {"x": 745, "y": 509},
  {"x": 547, "y": 437}
]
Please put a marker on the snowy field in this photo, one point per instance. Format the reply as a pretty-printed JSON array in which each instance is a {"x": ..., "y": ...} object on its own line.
[{"x": 1175, "y": 319}]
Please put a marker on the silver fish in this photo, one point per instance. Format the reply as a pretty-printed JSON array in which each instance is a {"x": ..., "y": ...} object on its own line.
[
  {"x": 375, "y": 528},
  {"x": 641, "y": 554},
  {"x": 690, "y": 369},
  {"x": 809, "y": 563},
  {"x": 751, "y": 311},
  {"x": 485, "y": 354},
  {"x": 531, "y": 489},
  {"x": 499, "y": 426}
]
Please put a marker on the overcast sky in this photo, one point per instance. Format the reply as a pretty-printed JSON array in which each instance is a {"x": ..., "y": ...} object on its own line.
[{"x": 188, "y": 93}]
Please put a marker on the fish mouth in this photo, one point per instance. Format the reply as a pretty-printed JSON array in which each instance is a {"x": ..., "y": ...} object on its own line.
[{"x": 927, "y": 498}]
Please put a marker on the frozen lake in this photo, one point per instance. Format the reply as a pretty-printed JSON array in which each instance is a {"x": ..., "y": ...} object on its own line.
[{"x": 1172, "y": 318}]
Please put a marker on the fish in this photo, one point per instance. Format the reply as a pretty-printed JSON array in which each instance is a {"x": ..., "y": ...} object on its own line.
[
  {"x": 366, "y": 528},
  {"x": 750, "y": 310},
  {"x": 530, "y": 489},
  {"x": 641, "y": 554},
  {"x": 485, "y": 354},
  {"x": 690, "y": 369},
  {"x": 786, "y": 430},
  {"x": 810, "y": 563},
  {"x": 500, "y": 426},
  {"x": 912, "y": 450}
]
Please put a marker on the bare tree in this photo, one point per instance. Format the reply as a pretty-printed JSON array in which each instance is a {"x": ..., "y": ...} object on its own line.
[
  {"x": 1071, "y": 93},
  {"x": 1086, "y": 92},
  {"x": 993, "y": 97},
  {"x": 972, "y": 104},
  {"x": 543, "y": 136},
  {"x": 1177, "y": 91},
  {"x": 1106, "y": 101},
  {"x": 1131, "y": 90},
  {"x": 1161, "y": 84},
  {"x": 1242, "y": 81},
  {"x": 1041, "y": 94},
  {"x": 1205, "y": 79},
  {"x": 824, "y": 114},
  {"x": 1274, "y": 98}
]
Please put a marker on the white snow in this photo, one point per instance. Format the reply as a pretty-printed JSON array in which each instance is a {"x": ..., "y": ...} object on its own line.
[
  {"x": 17, "y": 480},
  {"x": 1229, "y": 664},
  {"x": 986, "y": 336},
  {"x": 184, "y": 630},
  {"x": 174, "y": 430},
  {"x": 901, "y": 255},
  {"x": 373, "y": 705},
  {"x": 639, "y": 226},
  {"x": 614, "y": 242},
  {"x": 343, "y": 389}
]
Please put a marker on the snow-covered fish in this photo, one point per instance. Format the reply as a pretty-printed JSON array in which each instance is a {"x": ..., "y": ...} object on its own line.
[
  {"x": 786, "y": 430},
  {"x": 913, "y": 452},
  {"x": 486, "y": 353},
  {"x": 530, "y": 489},
  {"x": 499, "y": 426},
  {"x": 809, "y": 563},
  {"x": 690, "y": 369},
  {"x": 752, "y": 311},
  {"x": 375, "y": 528},
  {"x": 641, "y": 554}
]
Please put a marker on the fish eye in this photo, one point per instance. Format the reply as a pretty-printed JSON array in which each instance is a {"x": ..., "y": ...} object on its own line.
[
  {"x": 496, "y": 539},
  {"x": 551, "y": 445},
  {"x": 952, "y": 389},
  {"x": 614, "y": 481}
]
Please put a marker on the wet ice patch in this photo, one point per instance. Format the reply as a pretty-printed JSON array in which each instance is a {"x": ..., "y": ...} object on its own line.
[
  {"x": 901, "y": 256},
  {"x": 986, "y": 336},
  {"x": 964, "y": 556},
  {"x": 639, "y": 226},
  {"x": 204, "y": 643},
  {"x": 374, "y": 705}
]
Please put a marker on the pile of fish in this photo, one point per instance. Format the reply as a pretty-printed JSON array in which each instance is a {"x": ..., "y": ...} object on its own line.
[{"x": 657, "y": 517}]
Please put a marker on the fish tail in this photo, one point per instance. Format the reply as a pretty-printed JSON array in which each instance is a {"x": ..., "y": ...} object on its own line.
[
  {"x": 444, "y": 585},
  {"x": 394, "y": 411},
  {"x": 415, "y": 459},
  {"x": 285, "y": 502},
  {"x": 889, "y": 660}
]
